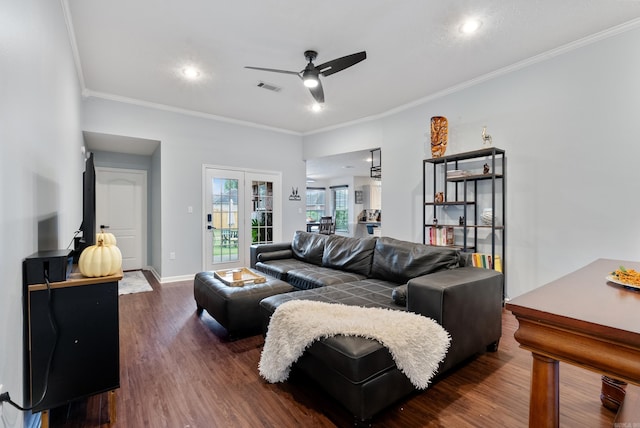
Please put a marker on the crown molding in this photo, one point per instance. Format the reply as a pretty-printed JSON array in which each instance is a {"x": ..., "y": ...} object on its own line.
[
  {"x": 164, "y": 107},
  {"x": 72, "y": 41}
]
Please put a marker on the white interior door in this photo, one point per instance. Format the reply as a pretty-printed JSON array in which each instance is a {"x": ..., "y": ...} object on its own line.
[{"x": 121, "y": 204}]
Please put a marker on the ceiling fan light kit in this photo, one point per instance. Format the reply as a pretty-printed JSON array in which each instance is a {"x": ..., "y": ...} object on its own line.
[
  {"x": 310, "y": 82},
  {"x": 311, "y": 74},
  {"x": 310, "y": 79}
]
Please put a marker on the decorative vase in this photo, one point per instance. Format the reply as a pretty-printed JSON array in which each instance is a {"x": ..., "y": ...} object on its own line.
[
  {"x": 487, "y": 217},
  {"x": 439, "y": 136}
]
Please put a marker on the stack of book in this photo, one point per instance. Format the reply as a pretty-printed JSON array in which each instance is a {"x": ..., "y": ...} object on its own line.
[
  {"x": 485, "y": 261},
  {"x": 455, "y": 173},
  {"x": 441, "y": 235}
]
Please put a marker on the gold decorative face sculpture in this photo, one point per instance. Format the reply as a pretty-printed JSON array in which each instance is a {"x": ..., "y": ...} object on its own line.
[{"x": 439, "y": 136}]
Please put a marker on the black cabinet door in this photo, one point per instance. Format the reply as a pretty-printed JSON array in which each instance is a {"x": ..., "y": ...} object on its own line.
[{"x": 74, "y": 343}]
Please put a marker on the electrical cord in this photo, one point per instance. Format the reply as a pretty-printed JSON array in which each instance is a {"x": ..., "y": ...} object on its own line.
[
  {"x": 73, "y": 239},
  {"x": 4, "y": 397}
]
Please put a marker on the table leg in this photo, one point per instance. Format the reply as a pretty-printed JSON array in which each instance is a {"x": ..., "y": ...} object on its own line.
[
  {"x": 111, "y": 403},
  {"x": 612, "y": 393},
  {"x": 44, "y": 419},
  {"x": 544, "y": 402}
]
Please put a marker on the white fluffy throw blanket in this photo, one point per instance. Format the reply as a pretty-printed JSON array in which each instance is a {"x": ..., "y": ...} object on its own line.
[{"x": 417, "y": 343}]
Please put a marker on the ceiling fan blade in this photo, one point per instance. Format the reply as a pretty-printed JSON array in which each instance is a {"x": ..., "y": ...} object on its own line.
[
  {"x": 273, "y": 70},
  {"x": 339, "y": 64},
  {"x": 318, "y": 93}
]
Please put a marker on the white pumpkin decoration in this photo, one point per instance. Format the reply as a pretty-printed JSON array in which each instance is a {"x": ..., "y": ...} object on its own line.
[
  {"x": 100, "y": 260},
  {"x": 106, "y": 238}
]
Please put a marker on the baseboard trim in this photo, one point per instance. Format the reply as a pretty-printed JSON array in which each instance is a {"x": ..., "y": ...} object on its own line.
[{"x": 168, "y": 279}]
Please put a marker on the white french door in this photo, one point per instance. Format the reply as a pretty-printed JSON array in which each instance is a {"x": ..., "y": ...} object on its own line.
[{"x": 240, "y": 208}]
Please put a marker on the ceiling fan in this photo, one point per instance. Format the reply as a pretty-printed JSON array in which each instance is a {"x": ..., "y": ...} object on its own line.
[{"x": 311, "y": 74}]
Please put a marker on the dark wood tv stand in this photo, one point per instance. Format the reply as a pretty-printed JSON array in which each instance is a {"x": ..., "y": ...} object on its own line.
[{"x": 72, "y": 342}]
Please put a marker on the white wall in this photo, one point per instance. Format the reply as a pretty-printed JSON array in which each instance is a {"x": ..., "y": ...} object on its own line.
[
  {"x": 154, "y": 254},
  {"x": 570, "y": 130},
  {"x": 187, "y": 143},
  {"x": 40, "y": 162}
]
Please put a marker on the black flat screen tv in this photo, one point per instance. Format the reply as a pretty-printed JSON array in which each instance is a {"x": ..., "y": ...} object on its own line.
[{"x": 88, "y": 226}]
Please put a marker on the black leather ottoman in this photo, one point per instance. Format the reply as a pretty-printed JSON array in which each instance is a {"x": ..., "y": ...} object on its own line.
[{"x": 235, "y": 308}]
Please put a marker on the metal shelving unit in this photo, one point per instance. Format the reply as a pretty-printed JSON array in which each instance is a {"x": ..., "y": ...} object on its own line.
[{"x": 465, "y": 193}]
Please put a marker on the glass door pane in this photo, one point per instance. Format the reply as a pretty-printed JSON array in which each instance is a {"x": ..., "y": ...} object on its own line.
[
  {"x": 341, "y": 208},
  {"x": 224, "y": 219},
  {"x": 262, "y": 212}
]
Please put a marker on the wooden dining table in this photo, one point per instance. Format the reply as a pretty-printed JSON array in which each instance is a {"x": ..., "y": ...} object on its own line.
[{"x": 584, "y": 319}]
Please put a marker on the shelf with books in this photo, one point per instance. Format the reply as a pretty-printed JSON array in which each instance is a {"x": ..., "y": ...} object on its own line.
[
  {"x": 486, "y": 261},
  {"x": 465, "y": 193},
  {"x": 441, "y": 236}
]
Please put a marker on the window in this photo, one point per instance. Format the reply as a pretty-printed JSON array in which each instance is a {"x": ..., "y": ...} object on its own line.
[
  {"x": 315, "y": 204},
  {"x": 340, "y": 196}
]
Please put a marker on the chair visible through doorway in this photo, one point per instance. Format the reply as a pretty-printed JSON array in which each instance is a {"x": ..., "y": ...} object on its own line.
[{"x": 327, "y": 227}]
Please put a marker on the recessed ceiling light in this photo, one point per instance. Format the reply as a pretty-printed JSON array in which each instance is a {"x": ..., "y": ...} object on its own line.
[
  {"x": 317, "y": 107},
  {"x": 471, "y": 25},
  {"x": 190, "y": 72}
]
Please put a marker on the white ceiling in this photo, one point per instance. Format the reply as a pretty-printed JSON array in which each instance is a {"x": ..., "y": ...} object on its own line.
[{"x": 134, "y": 50}]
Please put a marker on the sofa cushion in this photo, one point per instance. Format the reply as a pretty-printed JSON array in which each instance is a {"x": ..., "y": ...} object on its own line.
[
  {"x": 374, "y": 293},
  {"x": 314, "y": 277},
  {"x": 399, "y": 261},
  {"x": 280, "y": 267},
  {"x": 275, "y": 255},
  {"x": 308, "y": 247},
  {"x": 399, "y": 295},
  {"x": 349, "y": 254}
]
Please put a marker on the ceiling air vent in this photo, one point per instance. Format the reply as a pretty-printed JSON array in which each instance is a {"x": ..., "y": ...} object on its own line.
[{"x": 269, "y": 86}]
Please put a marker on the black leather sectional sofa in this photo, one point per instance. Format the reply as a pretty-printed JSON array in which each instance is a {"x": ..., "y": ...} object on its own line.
[{"x": 381, "y": 272}]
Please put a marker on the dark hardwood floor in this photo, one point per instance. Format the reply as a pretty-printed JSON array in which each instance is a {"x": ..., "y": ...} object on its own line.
[{"x": 177, "y": 371}]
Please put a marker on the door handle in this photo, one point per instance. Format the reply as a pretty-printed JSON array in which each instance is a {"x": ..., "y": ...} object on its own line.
[{"x": 209, "y": 227}]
